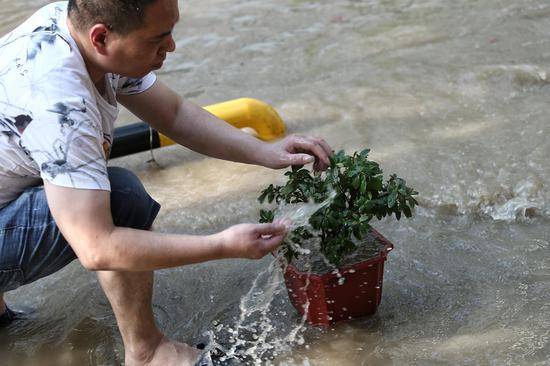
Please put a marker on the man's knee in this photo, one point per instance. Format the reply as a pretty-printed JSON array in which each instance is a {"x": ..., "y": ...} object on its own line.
[{"x": 131, "y": 205}]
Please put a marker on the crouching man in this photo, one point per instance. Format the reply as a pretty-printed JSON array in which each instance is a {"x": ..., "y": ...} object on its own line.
[{"x": 62, "y": 73}]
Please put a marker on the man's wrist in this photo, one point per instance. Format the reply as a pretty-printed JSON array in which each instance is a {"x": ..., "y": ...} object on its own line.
[
  {"x": 261, "y": 154},
  {"x": 218, "y": 245}
]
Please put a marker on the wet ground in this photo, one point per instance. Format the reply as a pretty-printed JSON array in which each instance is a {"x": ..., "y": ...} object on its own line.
[{"x": 453, "y": 96}]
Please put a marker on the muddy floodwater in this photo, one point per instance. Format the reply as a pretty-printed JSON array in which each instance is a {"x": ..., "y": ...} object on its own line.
[{"x": 454, "y": 96}]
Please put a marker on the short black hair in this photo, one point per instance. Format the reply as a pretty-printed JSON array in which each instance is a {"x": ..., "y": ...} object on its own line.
[{"x": 121, "y": 16}]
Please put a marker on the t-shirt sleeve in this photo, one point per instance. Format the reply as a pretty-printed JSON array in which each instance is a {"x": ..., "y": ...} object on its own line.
[
  {"x": 130, "y": 86},
  {"x": 66, "y": 143}
]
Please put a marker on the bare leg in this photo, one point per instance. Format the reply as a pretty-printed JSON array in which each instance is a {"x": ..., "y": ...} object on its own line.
[
  {"x": 130, "y": 295},
  {"x": 2, "y": 304}
]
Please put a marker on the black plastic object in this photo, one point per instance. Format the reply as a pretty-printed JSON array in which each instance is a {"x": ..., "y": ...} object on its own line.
[{"x": 134, "y": 138}]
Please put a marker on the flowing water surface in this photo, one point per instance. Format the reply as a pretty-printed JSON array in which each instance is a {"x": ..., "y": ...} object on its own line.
[{"x": 452, "y": 95}]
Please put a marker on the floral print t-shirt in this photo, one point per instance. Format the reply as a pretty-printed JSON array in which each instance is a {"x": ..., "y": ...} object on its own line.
[{"x": 54, "y": 124}]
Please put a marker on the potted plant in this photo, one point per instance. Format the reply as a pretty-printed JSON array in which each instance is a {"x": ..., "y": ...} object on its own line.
[{"x": 332, "y": 258}]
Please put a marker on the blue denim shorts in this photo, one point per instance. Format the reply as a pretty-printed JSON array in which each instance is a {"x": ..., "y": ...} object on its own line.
[{"x": 31, "y": 245}]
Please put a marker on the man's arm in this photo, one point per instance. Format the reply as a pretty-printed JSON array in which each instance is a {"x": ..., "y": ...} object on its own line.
[
  {"x": 199, "y": 130},
  {"x": 84, "y": 218}
]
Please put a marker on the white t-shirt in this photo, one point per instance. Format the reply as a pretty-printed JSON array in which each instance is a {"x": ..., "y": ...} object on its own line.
[{"x": 54, "y": 124}]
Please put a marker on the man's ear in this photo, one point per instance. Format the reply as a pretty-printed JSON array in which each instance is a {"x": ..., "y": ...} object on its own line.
[{"x": 99, "y": 36}]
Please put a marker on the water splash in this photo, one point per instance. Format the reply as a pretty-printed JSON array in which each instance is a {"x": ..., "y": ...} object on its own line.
[
  {"x": 299, "y": 213},
  {"x": 255, "y": 338}
]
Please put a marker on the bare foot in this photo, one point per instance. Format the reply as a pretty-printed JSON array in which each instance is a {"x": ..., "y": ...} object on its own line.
[{"x": 167, "y": 353}]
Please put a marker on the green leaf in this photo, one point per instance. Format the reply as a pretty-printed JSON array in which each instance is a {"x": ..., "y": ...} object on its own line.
[
  {"x": 357, "y": 233},
  {"x": 266, "y": 216},
  {"x": 365, "y": 153},
  {"x": 374, "y": 184},
  {"x": 262, "y": 197},
  {"x": 363, "y": 188},
  {"x": 392, "y": 199}
]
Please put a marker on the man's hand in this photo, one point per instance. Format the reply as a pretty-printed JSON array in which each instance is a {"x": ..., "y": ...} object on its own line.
[
  {"x": 252, "y": 241},
  {"x": 297, "y": 150}
]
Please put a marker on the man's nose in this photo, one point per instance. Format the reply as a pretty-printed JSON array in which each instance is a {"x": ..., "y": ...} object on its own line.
[{"x": 171, "y": 44}]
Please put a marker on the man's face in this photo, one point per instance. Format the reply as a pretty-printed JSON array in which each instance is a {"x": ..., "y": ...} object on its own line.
[{"x": 144, "y": 49}]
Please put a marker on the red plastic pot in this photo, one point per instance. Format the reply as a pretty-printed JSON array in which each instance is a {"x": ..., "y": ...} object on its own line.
[{"x": 328, "y": 299}]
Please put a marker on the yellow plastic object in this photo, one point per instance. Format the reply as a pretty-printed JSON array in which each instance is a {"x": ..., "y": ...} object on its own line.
[{"x": 246, "y": 113}]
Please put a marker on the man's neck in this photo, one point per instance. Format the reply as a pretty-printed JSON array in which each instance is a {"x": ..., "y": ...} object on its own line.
[{"x": 96, "y": 74}]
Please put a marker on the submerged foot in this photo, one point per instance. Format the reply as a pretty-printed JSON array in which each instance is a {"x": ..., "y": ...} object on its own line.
[{"x": 170, "y": 353}]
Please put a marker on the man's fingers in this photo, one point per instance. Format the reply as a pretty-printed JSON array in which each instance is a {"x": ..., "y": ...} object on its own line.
[
  {"x": 325, "y": 146},
  {"x": 308, "y": 145},
  {"x": 320, "y": 166},
  {"x": 300, "y": 159},
  {"x": 272, "y": 235},
  {"x": 272, "y": 229},
  {"x": 272, "y": 243}
]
